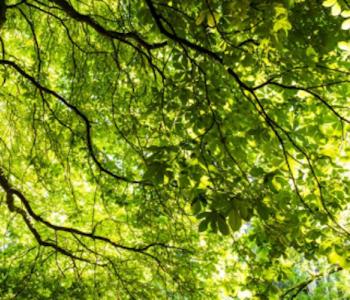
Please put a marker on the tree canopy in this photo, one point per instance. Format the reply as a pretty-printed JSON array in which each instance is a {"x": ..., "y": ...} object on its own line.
[{"x": 157, "y": 149}]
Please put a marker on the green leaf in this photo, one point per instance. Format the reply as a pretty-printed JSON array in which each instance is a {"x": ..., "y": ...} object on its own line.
[
  {"x": 310, "y": 51},
  {"x": 223, "y": 226},
  {"x": 234, "y": 220},
  {"x": 203, "y": 225},
  {"x": 335, "y": 258},
  {"x": 263, "y": 210},
  {"x": 346, "y": 24},
  {"x": 344, "y": 45},
  {"x": 155, "y": 172},
  {"x": 345, "y": 13},
  {"x": 282, "y": 24},
  {"x": 213, "y": 222},
  {"x": 329, "y": 3},
  {"x": 196, "y": 206},
  {"x": 256, "y": 171},
  {"x": 201, "y": 18},
  {"x": 244, "y": 211},
  {"x": 336, "y": 10},
  {"x": 204, "y": 182},
  {"x": 211, "y": 20}
]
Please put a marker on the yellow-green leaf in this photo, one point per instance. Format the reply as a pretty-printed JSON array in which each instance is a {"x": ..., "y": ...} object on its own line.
[
  {"x": 345, "y": 13},
  {"x": 200, "y": 18},
  {"x": 335, "y": 258},
  {"x": 346, "y": 24},
  {"x": 204, "y": 182},
  {"x": 282, "y": 24},
  {"x": 329, "y": 3},
  {"x": 276, "y": 184},
  {"x": 211, "y": 20},
  {"x": 344, "y": 46},
  {"x": 336, "y": 10}
]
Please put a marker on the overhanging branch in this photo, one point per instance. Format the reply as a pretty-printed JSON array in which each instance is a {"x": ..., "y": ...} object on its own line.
[
  {"x": 121, "y": 36},
  {"x": 303, "y": 285},
  {"x": 79, "y": 113},
  {"x": 29, "y": 213}
]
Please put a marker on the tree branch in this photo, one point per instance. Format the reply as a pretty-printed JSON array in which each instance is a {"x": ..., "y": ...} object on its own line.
[
  {"x": 81, "y": 115},
  {"x": 10, "y": 191},
  {"x": 121, "y": 36},
  {"x": 303, "y": 285}
]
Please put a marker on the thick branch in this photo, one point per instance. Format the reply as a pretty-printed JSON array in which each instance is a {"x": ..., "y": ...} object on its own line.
[
  {"x": 4, "y": 183},
  {"x": 198, "y": 48},
  {"x": 78, "y": 112}
]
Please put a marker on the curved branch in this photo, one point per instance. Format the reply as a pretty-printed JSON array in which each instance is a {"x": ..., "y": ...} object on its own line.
[
  {"x": 317, "y": 96},
  {"x": 81, "y": 115},
  {"x": 10, "y": 191},
  {"x": 121, "y": 36},
  {"x": 200, "y": 49},
  {"x": 16, "y": 4}
]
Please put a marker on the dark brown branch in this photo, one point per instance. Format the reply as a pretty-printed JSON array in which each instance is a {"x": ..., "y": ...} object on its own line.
[
  {"x": 158, "y": 19},
  {"x": 79, "y": 113},
  {"x": 11, "y": 206},
  {"x": 3, "y": 8},
  {"x": 35, "y": 39},
  {"x": 16, "y": 4},
  {"x": 4, "y": 183},
  {"x": 121, "y": 36},
  {"x": 315, "y": 95},
  {"x": 274, "y": 126},
  {"x": 198, "y": 48},
  {"x": 303, "y": 285}
]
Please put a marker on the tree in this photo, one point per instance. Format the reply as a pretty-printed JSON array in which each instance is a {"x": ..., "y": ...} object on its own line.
[{"x": 157, "y": 149}]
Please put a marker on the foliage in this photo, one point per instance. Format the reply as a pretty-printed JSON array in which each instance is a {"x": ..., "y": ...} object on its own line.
[{"x": 156, "y": 149}]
